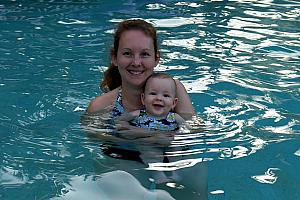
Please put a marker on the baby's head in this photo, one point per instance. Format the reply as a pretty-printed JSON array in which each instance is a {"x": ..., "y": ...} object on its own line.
[{"x": 159, "y": 95}]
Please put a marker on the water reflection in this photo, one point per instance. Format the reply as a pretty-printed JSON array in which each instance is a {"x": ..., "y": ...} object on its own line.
[
  {"x": 269, "y": 177},
  {"x": 108, "y": 186},
  {"x": 201, "y": 141},
  {"x": 239, "y": 60}
]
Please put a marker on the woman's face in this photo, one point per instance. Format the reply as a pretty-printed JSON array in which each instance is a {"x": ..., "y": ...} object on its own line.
[{"x": 135, "y": 58}]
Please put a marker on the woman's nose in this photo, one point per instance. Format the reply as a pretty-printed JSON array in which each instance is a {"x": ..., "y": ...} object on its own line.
[{"x": 137, "y": 60}]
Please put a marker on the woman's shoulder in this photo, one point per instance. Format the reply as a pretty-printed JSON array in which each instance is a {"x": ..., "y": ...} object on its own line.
[{"x": 103, "y": 101}]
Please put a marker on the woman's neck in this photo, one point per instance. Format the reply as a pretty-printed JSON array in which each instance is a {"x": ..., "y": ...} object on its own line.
[{"x": 131, "y": 99}]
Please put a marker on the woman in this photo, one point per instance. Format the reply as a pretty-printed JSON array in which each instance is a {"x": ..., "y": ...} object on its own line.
[{"x": 133, "y": 58}]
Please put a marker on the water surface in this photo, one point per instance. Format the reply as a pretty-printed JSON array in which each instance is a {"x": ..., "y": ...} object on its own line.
[{"x": 239, "y": 61}]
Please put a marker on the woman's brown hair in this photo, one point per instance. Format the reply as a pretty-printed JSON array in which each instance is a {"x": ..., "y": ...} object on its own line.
[{"x": 112, "y": 77}]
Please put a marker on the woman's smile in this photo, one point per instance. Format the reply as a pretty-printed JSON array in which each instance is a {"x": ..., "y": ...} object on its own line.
[
  {"x": 136, "y": 58},
  {"x": 135, "y": 72}
]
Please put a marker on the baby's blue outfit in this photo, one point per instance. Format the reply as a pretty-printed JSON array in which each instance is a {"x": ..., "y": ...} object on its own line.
[{"x": 145, "y": 121}]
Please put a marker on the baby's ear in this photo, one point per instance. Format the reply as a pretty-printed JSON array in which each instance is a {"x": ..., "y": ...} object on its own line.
[
  {"x": 143, "y": 98},
  {"x": 174, "y": 103}
]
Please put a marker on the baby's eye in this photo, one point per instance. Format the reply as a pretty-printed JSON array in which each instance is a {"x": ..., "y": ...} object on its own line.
[
  {"x": 166, "y": 95},
  {"x": 145, "y": 54},
  {"x": 152, "y": 93}
]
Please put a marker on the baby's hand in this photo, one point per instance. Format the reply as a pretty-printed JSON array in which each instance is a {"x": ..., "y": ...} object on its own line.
[
  {"x": 122, "y": 123},
  {"x": 134, "y": 113}
]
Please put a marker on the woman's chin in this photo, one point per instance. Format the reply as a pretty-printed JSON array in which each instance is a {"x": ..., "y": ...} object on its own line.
[{"x": 138, "y": 83}]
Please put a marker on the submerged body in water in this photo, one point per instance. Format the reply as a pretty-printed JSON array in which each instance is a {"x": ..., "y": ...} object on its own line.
[{"x": 124, "y": 154}]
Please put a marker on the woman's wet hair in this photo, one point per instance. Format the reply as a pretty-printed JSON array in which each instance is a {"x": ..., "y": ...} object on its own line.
[{"x": 112, "y": 77}]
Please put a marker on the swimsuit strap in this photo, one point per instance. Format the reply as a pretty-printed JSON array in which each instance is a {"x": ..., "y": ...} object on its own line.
[{"x": 118, "y": 108}]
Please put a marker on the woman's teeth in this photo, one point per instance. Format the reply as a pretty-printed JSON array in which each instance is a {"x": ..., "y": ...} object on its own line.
[{"x": 135, "y": 72}]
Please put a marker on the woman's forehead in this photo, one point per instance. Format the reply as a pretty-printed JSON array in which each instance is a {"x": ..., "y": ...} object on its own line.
[{"x": 131, "y": 37}]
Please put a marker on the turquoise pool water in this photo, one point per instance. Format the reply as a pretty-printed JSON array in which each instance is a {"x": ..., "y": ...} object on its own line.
[{"x": 239, "y": 61}]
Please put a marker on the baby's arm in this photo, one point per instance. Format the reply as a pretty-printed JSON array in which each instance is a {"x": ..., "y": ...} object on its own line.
[{"x": 122, "y": 123}]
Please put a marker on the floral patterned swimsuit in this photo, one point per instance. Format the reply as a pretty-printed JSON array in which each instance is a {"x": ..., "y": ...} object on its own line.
[{"x": 118, "y": 108}]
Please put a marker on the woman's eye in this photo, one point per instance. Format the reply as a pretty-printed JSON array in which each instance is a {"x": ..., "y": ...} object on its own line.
[{"x": 126, "y": 53}]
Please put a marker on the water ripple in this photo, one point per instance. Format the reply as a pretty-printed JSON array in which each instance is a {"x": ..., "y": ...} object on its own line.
[{"x": 239, "y": 61}]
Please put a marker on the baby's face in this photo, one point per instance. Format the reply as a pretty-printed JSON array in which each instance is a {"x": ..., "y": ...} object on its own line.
[{"x": 159, "y": 96}]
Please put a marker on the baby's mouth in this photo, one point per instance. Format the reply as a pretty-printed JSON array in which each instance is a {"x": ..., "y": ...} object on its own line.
[{"x": 157, "y": 106}]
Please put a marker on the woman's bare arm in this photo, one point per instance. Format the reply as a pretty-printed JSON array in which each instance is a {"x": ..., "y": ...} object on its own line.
[
  {"x": 103, "y": 102},
  {"x": 184, "y": 106}
]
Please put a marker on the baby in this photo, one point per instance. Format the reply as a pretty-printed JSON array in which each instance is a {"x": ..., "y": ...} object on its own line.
[{"x": 159, "y": 99}]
